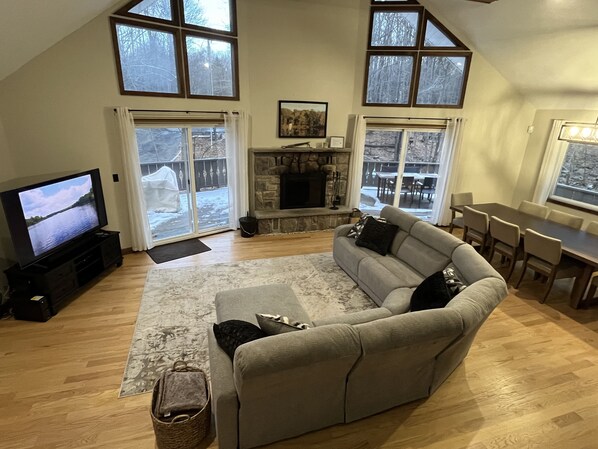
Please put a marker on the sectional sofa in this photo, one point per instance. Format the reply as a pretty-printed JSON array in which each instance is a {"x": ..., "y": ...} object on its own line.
[{"x": 351, "y": 366}]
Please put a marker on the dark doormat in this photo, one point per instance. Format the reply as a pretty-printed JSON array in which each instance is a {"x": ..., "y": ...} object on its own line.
[{"x": 172, "y": 251}]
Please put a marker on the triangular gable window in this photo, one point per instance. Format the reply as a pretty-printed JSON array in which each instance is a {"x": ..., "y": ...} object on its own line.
[
  {"x": 156, "y": 9},
  {"x": 437, "y": 36}
]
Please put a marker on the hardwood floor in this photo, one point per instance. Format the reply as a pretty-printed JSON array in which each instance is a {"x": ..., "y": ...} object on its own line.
[{"x": 529, "y": 381}]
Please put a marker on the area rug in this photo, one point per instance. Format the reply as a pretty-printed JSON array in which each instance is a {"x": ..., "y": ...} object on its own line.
[
  {"x": 177, "y": 307},
  {"x": 177, "y": 250}
]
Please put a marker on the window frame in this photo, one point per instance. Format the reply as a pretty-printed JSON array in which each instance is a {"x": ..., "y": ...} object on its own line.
[
  {"x": 459, "y": 50},
  {"x": 150, "y": 26},
  {"x": 416, "y": 81},
  {"x": 179, "y": 29},
  {"x": 568, "y": 202},
  {"x": 234, "y": 65}
]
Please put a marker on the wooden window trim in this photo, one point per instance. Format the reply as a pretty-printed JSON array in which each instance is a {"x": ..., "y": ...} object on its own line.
[
  {"x": 587, "y": 210},
  {"x": 232, "y": 17},
  {"x": 235, "y": 65},
  {"x": 413, "y": 54},
  {"x": 177, "y": 38},
  {"x": 124, "y": 11},
  {"x": 466, "y": 55},
  {"x": 429, "y": 17},
  {"x": 411, "y": 8}
]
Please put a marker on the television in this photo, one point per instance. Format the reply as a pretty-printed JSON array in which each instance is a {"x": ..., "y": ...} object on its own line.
[{"x": 47, "y": 216}]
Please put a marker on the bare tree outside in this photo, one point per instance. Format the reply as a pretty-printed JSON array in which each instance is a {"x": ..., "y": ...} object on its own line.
[
  {"x": 580, "y": 170},
  {"x": 389, "y": 79},
  {"x": 441, "y": 80},
  {"x": 210, "y": 66}
]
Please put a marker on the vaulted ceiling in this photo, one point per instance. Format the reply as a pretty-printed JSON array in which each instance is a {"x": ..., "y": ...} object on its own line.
[{"x": 545, "y": 48}]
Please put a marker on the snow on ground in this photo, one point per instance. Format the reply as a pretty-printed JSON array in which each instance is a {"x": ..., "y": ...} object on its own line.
[{"x": 212, "y": 210}]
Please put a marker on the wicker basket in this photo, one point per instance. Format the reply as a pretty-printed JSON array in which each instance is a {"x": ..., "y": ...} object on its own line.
[{"x": 185, "y": 431}]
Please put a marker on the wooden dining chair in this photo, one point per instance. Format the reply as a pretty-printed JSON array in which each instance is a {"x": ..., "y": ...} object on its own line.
[
  {"x": 459, "y": 199},
  {"x": 505, "y": 241},
  {"x": 592, "y": 228},
  {"x": 543, "y": 254},
  {"x": 573, "y": 221},
  {"x": 535, "y": 209},
  {"x": 476, "y": 225}
]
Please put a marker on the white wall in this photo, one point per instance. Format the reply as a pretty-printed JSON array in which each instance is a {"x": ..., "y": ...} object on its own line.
[
  {"x": 6, "y": 167},
  {"x": 6, "y": 172},
  {"x": 57, "y": 109},
  {"x": 534, "y": 155}
]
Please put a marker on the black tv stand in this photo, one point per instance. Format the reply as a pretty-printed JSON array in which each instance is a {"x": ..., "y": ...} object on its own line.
[{"x": 60, "y": 276}]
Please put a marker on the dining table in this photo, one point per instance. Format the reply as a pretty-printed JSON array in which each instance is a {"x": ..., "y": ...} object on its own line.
[
  {"x": 575, "y": 243},
  {"x": 384, "y": 177}
]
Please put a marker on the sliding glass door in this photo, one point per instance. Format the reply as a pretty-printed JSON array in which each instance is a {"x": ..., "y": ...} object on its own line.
[
  {"x": 184, "y": 180},
  {"x": 400, "y": 168}
]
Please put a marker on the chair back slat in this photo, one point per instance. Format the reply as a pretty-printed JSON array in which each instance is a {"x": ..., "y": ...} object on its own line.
[
  {"x": 592, "y": 227},
  {"x": 462, "y": 199},
  {"x": 573, "y": 221},
  {"x": 535, "y": 209},
  {"x": 476, "y": 220}
]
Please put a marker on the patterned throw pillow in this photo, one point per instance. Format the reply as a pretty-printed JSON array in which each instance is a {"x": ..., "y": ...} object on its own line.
[
  {"x": 358, "y": 227},
  {"x": 454, "y": 284},
  {"x": 278, "y": 324},
  {"x": 233, "y": 333}
]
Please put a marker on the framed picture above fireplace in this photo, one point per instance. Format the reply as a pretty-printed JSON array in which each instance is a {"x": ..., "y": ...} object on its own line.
[{"x": 302, "y": 119}]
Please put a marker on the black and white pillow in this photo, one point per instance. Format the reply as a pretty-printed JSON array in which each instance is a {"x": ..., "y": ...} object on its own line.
[
  {"x": 358, "y": 227},
  {"x": 377, "y": 235},
  {"x": 278, "y": 324},
  {"x": 454, "y": 284}
]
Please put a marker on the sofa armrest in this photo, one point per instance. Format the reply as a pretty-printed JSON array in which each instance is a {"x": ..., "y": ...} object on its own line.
[
  {"x": 225, "y": 404},
  {"x": 342, "y": 230}
]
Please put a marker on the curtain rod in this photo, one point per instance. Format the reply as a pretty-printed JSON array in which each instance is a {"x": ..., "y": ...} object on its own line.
[
  {"x": 179, "y": 111},
  {"x": 407, "y": 118}
]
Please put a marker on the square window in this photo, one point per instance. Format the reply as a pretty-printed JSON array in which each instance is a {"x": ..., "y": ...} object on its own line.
[
  {"x": 394, "y": 28},
  {"x": 211, "y": 66},
  {"x": 148, "y": 60},
  {"x": 389, "y": 79}
]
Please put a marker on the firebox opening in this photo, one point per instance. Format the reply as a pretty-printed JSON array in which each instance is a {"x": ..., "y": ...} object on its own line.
[{"x": 301, "y": 190}]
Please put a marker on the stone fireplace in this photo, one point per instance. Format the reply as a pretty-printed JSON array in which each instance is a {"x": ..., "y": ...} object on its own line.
[{"x": 302, "y": 169}]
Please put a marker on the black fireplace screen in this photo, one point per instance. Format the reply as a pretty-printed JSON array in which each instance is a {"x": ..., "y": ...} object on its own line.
[{"x": 300, "y": 190}]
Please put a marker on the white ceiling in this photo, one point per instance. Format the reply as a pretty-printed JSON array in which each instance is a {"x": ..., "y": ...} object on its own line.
[
  {"x": 546, "y": 48},
  {"x": 29, "y": 27}
]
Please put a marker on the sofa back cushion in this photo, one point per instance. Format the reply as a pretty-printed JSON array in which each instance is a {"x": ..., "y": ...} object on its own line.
[
  {"x": 471, "y": 266},
  {"x": 403, "y": 220}
]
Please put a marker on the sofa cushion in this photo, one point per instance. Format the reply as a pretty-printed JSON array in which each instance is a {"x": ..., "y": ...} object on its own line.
[
  {"x": 244, "y": 303},
  {"x": 377, "y": 235},
  {"x": 279, "y": 324},
  {"x": 348, "y": 256},
  {"x": 472, "y": 266},
  {"x": 432, "y": 293},
  {"x": 381, "y": 275},
  {"x": 398, "y": 301},
  {"x": 233, "y": 333},
  {"x": 363, "y": 316},
  {"x": 421, "y": 257}
]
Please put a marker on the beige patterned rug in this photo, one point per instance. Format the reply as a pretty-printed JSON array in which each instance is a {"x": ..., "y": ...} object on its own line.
[{"x": 177, "y": 307}]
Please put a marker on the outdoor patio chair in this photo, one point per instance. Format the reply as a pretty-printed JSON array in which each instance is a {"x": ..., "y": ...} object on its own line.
[
  {"x": 408, "y": 186},
  {"x": 426, "y": 187},
  {"x": 459, "y": 199},
  {"x": 527, "y": 207},
  {"x": 544, "y": 256}
]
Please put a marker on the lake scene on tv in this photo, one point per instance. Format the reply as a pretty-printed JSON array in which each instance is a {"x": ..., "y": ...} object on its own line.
[{"x": 59, "y": 212}]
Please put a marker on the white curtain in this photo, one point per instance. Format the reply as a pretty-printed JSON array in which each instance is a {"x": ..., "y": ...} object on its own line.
[
  {"x": 356, "y": 165},
  {"x": 551, "y": 165},
  {"x": 237, "y": 125},
  {"x": 441, "y": 214},
  {"x": 141, "y": 236}
]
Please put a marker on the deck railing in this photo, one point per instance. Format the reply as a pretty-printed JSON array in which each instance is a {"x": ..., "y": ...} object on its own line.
[
  {"x": 370, "y": 168},
  {"x": 209, "y": 173},
  {"x": 577, "y": 194}
]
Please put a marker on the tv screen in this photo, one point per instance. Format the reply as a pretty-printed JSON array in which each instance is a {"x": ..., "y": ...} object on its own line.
[{"x": 46, "y": 216}]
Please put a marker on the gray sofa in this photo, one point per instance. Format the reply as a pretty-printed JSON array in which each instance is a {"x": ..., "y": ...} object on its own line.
[{"x": 354, "y": 365}]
